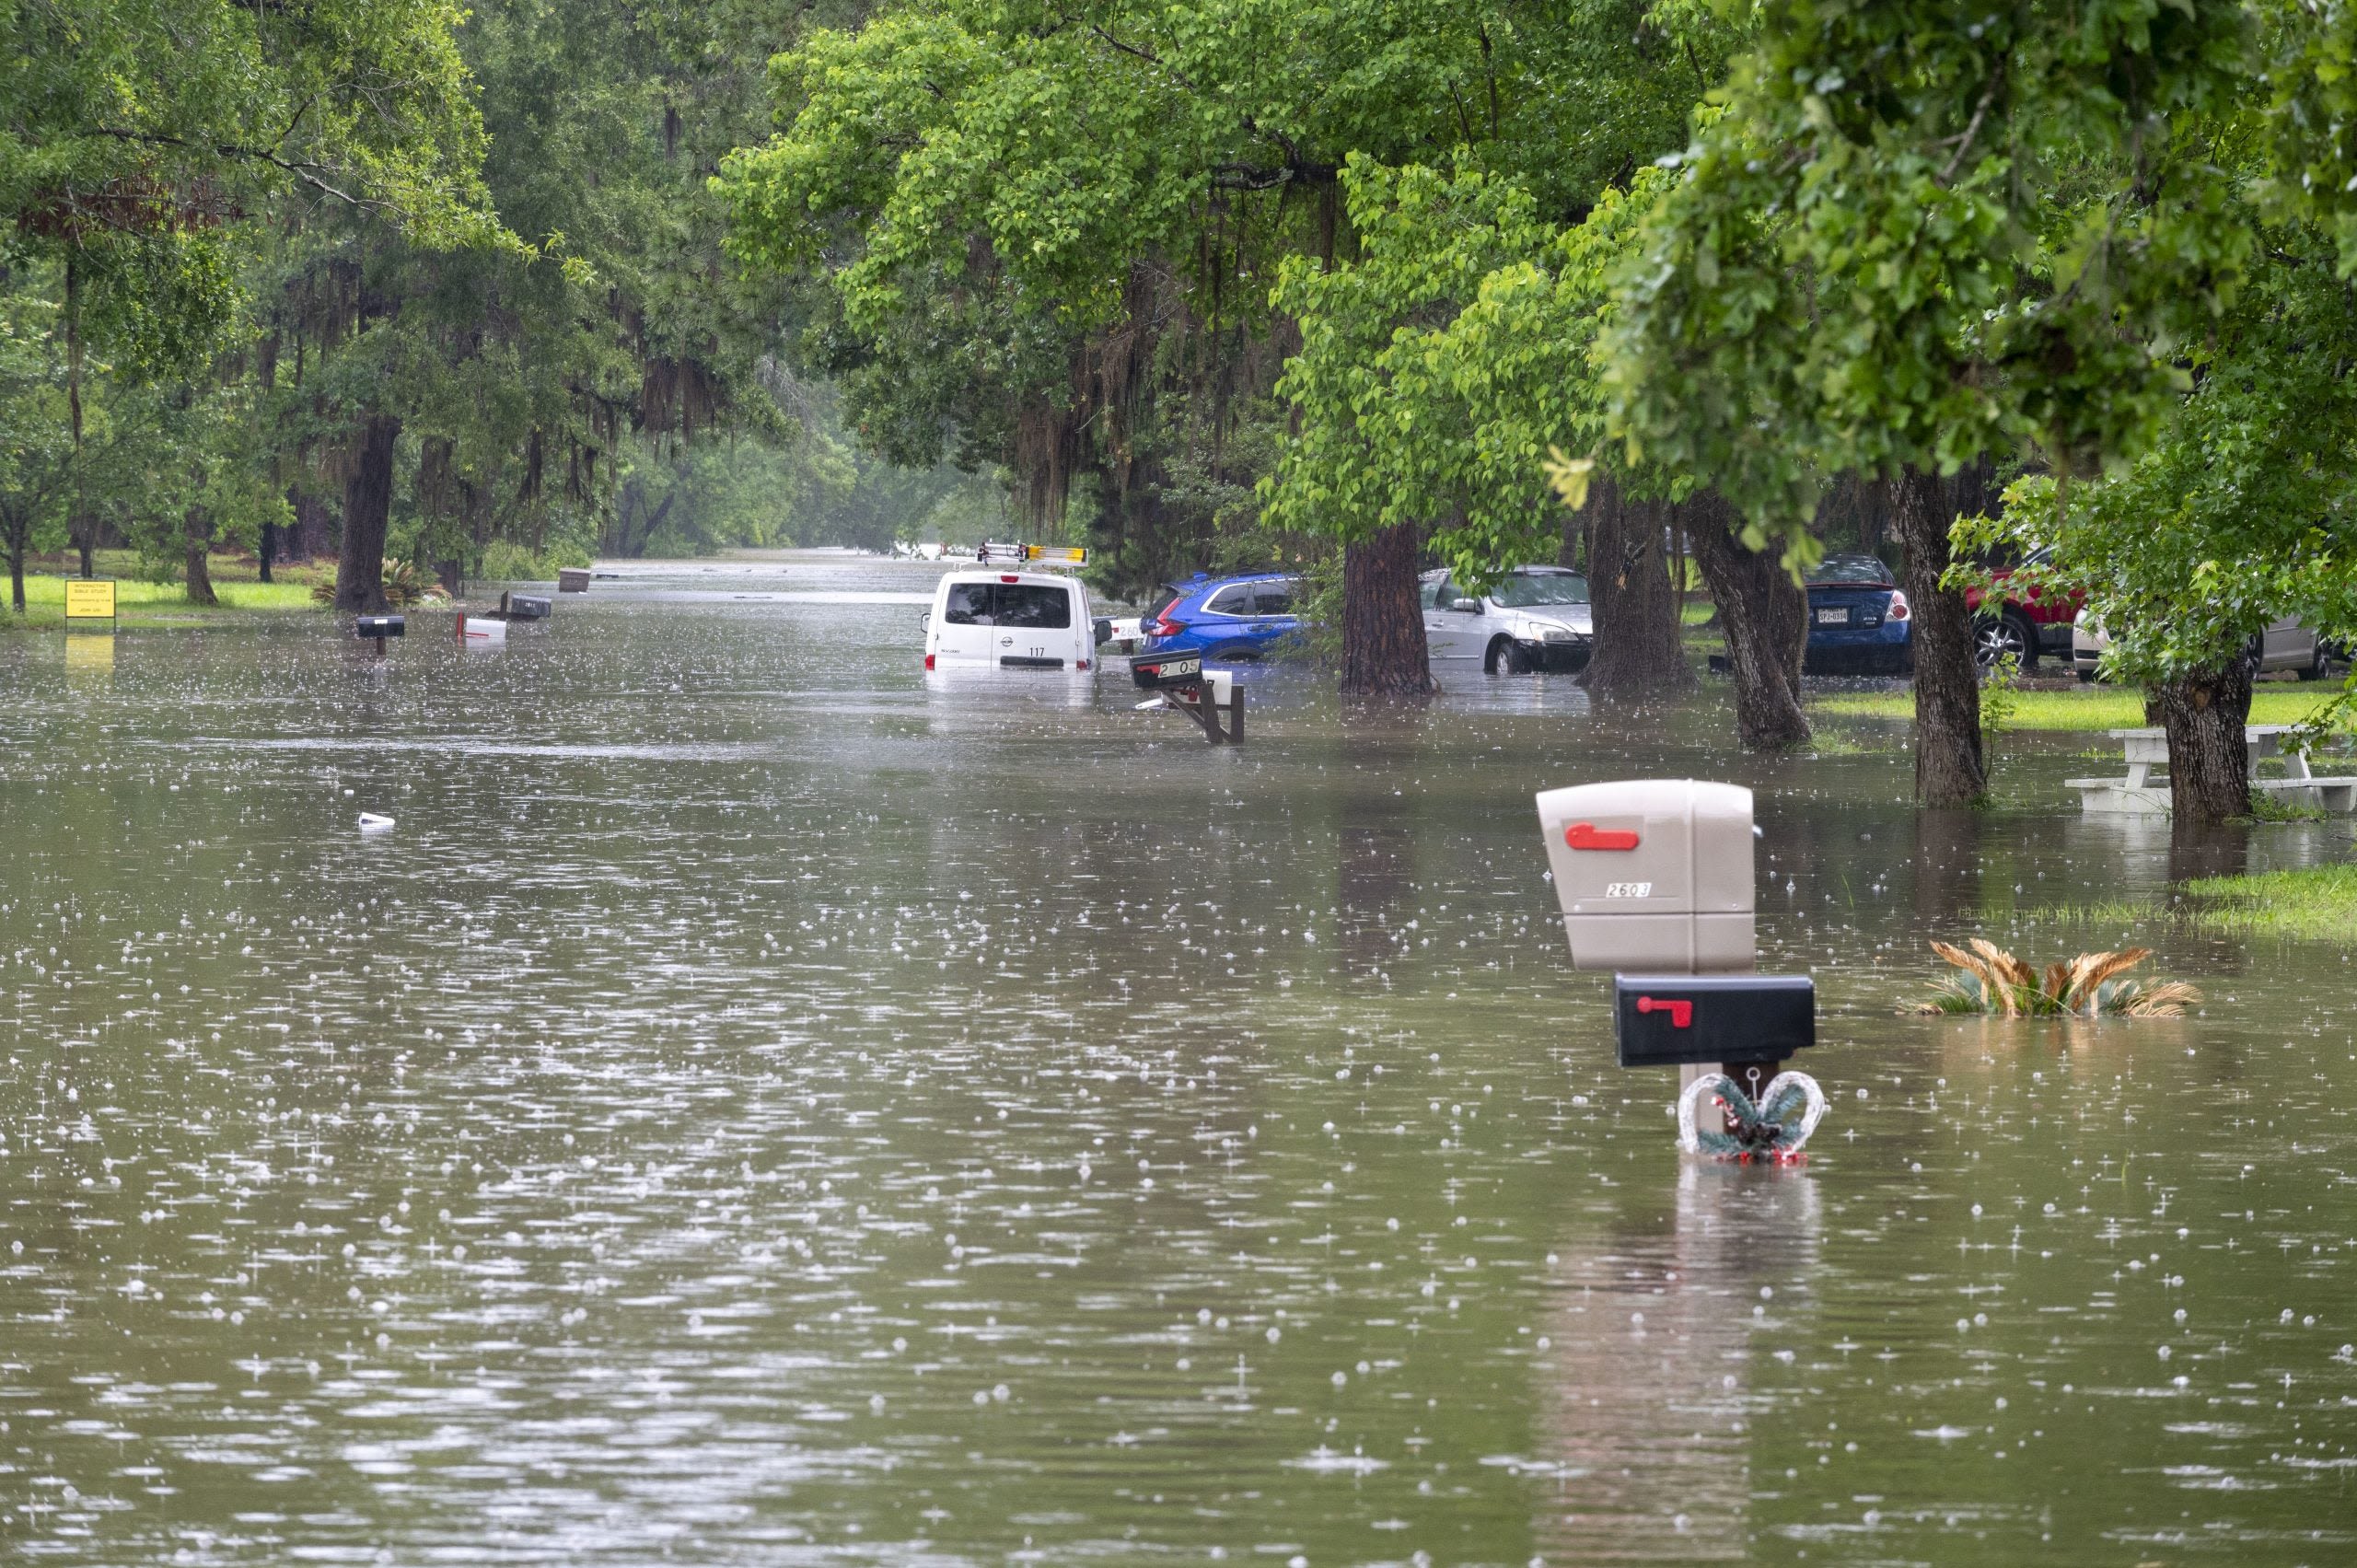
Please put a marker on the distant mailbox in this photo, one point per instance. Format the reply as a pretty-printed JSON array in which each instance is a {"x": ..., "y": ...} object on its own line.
[
  {"x": 380, "y": 626},
  {"x": 1669, "y": 1020},
  {"x": 573, "y": 580},
  {"x": 1652, "y": 874}
]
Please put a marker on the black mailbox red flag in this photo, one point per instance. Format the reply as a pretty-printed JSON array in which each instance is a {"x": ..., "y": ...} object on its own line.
[{"x": 1667, "y": 1020}]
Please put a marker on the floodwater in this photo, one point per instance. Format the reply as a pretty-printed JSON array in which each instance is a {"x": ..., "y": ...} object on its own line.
[{"x": 757, "y": 1106}]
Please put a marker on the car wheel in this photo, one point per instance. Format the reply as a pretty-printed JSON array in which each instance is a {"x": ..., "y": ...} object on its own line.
[
  {"x": 1506, "y": 658},
  {"x": 1235, "y": 653},
  {"x": 2254, "y": 658},
  {"x": 2314, "y": 668},
  {"x": 2008, "y": 632}
]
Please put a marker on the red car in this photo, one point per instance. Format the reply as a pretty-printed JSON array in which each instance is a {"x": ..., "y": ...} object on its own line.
[{"x": 2024, "y": 625}]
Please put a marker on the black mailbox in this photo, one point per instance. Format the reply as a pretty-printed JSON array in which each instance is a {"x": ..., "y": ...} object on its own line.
[
  {"x": 1667, "y": 1020},
  {"x": 380, "y": 626},
  {"x": 526, "y": 607},
  {"x": 1168, "y": 669}
]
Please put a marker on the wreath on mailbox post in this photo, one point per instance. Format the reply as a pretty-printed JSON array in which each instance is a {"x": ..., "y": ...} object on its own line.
[{"x": 1769, "y": 1131}]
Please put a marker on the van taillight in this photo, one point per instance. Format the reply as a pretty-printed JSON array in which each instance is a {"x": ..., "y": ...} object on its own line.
[
  {"x": 1010, "y": 578},
  {"x": 928, "y": 661}
]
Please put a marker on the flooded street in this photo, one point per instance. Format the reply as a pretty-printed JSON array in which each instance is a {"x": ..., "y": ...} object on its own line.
[{"x": 760, "y": 1107}]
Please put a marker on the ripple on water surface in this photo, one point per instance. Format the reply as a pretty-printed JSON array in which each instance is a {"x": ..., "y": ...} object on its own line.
[{"x": 760, "y": 1107}]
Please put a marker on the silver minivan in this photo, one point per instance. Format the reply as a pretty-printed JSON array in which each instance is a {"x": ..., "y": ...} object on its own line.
[{"x": 1536, "y": 618}]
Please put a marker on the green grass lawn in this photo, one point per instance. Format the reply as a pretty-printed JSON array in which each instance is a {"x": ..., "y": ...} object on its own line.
[
  {"x": 2317, "y": 903},
  {"x": 2089, "y": 707},
  {"x": 141, "y": 603}
]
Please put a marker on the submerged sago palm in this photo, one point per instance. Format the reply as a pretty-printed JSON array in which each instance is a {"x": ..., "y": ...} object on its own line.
[
  {"x": 1989, "y": 980},
  {"x": 404, "y": 586}
]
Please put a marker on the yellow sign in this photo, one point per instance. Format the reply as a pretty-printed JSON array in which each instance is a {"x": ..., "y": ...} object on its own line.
[
  {"x": 90, "y": 602},
  {"x": 1070, "y": 554}
]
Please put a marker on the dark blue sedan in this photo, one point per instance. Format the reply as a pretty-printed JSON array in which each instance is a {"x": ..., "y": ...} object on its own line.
[{"x": 1858, "y": 619}]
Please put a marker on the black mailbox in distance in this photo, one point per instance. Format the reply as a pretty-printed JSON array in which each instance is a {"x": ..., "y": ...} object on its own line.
[
  {"x": 1672, "y": 1019},
  {"x": 380, "y": 626}
]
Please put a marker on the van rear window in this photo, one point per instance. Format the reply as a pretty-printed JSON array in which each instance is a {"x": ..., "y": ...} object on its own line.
[{"x": 1038, "y": 605}]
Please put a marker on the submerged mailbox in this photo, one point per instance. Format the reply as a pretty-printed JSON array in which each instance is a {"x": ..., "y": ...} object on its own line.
[
  {"x": 1652, "y": 874},
  {"x": 1675, "y": 1019},
  {"x": 1655, "y": 878}
]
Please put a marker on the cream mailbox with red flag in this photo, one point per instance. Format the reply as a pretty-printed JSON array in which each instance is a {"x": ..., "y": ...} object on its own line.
[{"x": 1653, "y": 875}]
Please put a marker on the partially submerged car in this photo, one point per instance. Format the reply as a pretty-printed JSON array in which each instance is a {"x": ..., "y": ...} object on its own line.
[
  {"x": 1011, "y": 621},
  {"x": 1227, "y": 619},
  {"x": 1535, "y": 618}
]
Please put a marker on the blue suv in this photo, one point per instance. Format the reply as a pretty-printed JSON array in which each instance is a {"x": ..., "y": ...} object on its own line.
[{"x": 1225, "y": 619}]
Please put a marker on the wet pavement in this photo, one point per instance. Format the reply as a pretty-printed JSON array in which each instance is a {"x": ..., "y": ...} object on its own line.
[{"x": 761, "y": 1106}]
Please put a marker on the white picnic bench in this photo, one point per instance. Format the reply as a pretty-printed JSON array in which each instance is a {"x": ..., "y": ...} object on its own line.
[{"x": 2139, "y": 794}]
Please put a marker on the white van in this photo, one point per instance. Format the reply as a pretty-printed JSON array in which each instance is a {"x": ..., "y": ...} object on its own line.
[{"x": 1010, "y": 621}]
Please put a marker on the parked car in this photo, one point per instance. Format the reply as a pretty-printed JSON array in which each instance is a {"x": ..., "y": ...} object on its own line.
[
  {"x": 2286, "y": 644},
  {"x": 1858, "y": 618},
  {"x": 1536, "y": 618},
  {"x": 2024, "y": 625},
  {"x": 1227, "y": 619},
  {"x": 1011, "y": 621}
]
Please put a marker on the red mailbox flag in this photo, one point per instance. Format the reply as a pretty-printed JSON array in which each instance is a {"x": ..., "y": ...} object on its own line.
[{"x": 1587, "y": 835}]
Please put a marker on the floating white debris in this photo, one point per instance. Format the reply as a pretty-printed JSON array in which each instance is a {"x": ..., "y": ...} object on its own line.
[{"x": 372, "y": 823}]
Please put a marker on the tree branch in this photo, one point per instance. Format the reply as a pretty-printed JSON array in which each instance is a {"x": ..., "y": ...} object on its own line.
[
  {"x": 305, "y": 172},
  {"x": 1979, "y": 112}
]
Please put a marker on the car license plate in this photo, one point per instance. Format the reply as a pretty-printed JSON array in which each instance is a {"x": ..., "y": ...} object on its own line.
[{"x": 1833, "y": 618}]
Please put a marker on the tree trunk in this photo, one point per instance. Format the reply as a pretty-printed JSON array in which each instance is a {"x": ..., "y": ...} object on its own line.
[
  {"x": 1638, "y": 650},
  {"x": 1383, "y": 652},
  {"x": 1763, "y": 614},
  {"x": 368, "y": 503},
  {"x": 266, "y": 551},
  {"x": 196, "y": 531},
  {"x": 308, "y": 538},
  {"x": 16, "y": 535},
  {"x": 85, "y": 542},
  {"x": 1949, "y": 768},
  {"x": 2209, "y": 767}
]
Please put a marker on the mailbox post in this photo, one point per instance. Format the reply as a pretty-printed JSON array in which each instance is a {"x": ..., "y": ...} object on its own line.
[
  {"x": 1210, "y": 697},
  {"x": 1655, "y": 880}
]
